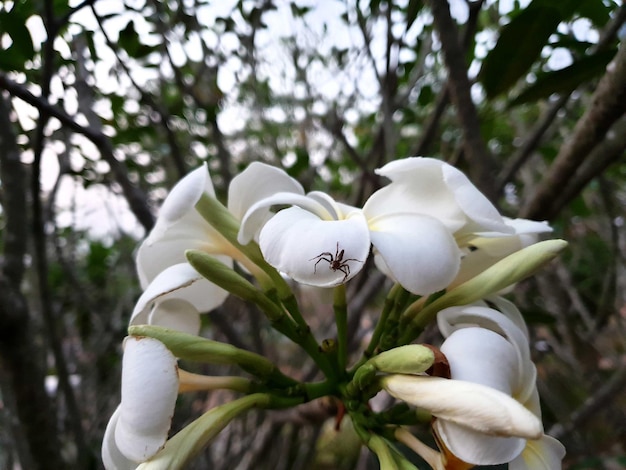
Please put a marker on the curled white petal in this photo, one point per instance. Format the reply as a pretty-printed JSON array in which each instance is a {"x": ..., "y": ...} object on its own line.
[
  {"x": 149, "y": 391},
  {"x": 490, "y": 247},
  {"x": 482, "y": 356},
  {"x": 185, "y": 194},
  {"x": 176, "y": 314},
  {"x": 418, "y": 251},
  {"x": 303, "y": 246},
  {"x": 477, "y": 208},
  {"x": 470, "y": 405},
  {"x": 179, "y": 227},
  {"x": 543, "y": 454},
  {"x": 257, "y": 182},
  {"x": 112, "y": 458},
  {"x": 179, "y": 281},
  {"x": 432, "y": 187},
  {"x": 482, "y": 330},
  {"x": 259, "y": 213},
  {"x": 478, "y": 448}
]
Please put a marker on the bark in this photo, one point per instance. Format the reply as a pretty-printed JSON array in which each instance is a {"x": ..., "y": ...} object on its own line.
[
  {"x": 480, "y": 161},
  {"x": 21, "y": 360},
  {"x": 607, "y": 106}
]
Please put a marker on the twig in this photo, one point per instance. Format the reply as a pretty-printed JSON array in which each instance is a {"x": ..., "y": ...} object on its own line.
[
  {"x": 605, "y": 394},
  {"x": 607, "y": 106},
  {"x": 536, "y": 134},
  {"x": 481, "y": 163},
  {"x": 136, "y": 198}
]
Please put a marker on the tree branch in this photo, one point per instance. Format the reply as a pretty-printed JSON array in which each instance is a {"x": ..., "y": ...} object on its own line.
[
  {"x": 607, "y": 106},
  {"x": 481, "y": 163},
  {"x": 534, "y": 138},
  {"x": 443, "y": 99},
  {"x": 137, "y": 200},
  {"x": 21, "y": 361}
]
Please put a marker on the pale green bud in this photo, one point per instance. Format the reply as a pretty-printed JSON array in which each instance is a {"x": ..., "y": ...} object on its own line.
[
  {"x": 198, "y": 349},
  {"x": 508, "y": 271},
  {"x": 409, "y": 359},
  {"x": 181, "y": 448},
  {"x": 228, "y": 279}
]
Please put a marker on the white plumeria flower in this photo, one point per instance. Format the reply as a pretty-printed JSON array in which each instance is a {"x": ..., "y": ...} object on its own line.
[
  {"x": 174, "y": 292},
  {"x": 489, "y": 347},
  {"x": 139, "y": 427},
  {"x": 487, "y": 249},
  {"x": 428, "y": 186},
  {"x": 163, "y": 271},
  {"x": 488, "y": 412},
  {"x": 414, "y": 225}
]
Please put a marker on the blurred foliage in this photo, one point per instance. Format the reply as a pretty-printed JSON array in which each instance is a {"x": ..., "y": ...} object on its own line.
[{"x": 329, "y": 91}]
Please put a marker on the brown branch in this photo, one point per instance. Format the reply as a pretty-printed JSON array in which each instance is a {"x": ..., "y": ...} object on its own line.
[
  {"x": 164, "y": 117},
  {"x": 526, "y": 150},
  {"x": 443, "y": 99},
  {"x": 606, "y": 153},
  {"x": 21, "y": 360},
  {"x": 607, "y": 393},
  {"x": 137, "y": 200},
  {"x": 607, "y": 106},
  {"x": 480, "y": 162}
]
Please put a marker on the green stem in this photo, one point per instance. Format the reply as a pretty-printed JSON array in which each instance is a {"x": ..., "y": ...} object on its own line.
[
  {"x": 198, "y": 349},
  {"x": 188, "y": 442},
  {"x": 394, "y": 303},
  {"x": 222, "y": 220},
  {"x": 314, "y": 390},
  {"x": 340, "y": 308}
]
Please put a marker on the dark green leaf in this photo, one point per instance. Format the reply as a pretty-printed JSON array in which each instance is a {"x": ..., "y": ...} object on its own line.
[
  {"x": 596, "y": 11},
  {"x": 520, "y": 44},
  {"x": 412, "y": 9},
  {"x": 565, "y": 80},
  {"x": 22, "y": 48}
]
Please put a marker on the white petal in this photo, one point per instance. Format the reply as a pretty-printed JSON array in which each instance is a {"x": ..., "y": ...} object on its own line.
[
  {"x": 481, "y": 356},
  {"x": 470, "y": 405},
  {"x": 167, "y": 247},
  {"x": 183, "y": 198},
  {"x": 301, "y": 245},
  {"x": 509, "y": 310},
  {"x": 333, "y": 207},
  {"x": 419, "y": 251},
  {"x": 259, "y": 213},
  {"x": 455, "y": 319},
  {"x": 543, "y": 454},
  {"x": 477, "y": 448},
  {"x": 419, "y": 192},
  {"x": 432, "y": 187},
  {"x": 176, "y": 314},
  {"x": 257, "y": 182},
  {"x": 473, "y": 203},
  {"x": 149, "y": 391},
  {"x": 180, "y": 281},
  {"x": 112, "y": 458}
]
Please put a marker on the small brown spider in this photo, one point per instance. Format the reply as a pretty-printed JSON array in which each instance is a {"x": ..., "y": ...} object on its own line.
[{"x": 335, "y": 262}]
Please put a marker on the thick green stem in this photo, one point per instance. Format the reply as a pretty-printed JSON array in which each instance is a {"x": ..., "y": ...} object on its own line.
[
  {"x": 502, "y": 274},
  {"x": 187, "y": 443},
  {"x": 198, "y": 349},
  {"x": 216, "y": 214},
  {"x": 341, "y": 319}
]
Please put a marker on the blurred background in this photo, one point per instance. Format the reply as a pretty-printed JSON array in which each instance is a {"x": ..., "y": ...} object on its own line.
[{"x": 104, "y": 105}]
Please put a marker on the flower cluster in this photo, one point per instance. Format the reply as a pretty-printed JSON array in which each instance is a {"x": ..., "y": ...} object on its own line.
[{"x": 447, "y": 251}]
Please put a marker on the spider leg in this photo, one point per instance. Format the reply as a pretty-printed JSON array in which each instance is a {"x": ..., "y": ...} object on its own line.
[
  {"x": 345, "y": 269},
  {"x": 321, "y": 257}
]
